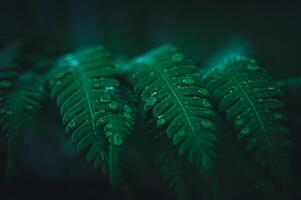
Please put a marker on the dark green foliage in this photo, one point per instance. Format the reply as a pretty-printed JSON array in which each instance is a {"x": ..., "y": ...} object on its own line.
[
  {"x": 181, "y": 105},
  {"x": 93, "y": 107},
  {"x": 21, "y": 98},
  {"x": 252, "y": 104},
  {"x": 172, "y": 168},
  {"x": 170, "y": 88}
]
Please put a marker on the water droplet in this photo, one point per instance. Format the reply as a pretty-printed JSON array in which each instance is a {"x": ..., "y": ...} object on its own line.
[
  {"x": 244, "y": 132},
  {"x": 109, "y": 88},
  {"x": 117, "y": 140},
  {"x": 151, "y": 101},
  {"x": 206, "y": 123},
  {"x": 278, "y": 116},
  {"x": 127, "y": 115},
  {"x": 71, "y": 124},
  {"x": 113, "y": 105},
  {"x": 128, "y": 109},
  {"x": 109, "y": 133},
  {"x": 206, "y": 103},
  {"x": 253, "y": 67},
  {"x": 161, "y": 121},
  {"x": 154, "y": 93},
  {"x": 181, "y": 133},
  {"x": 239, "y": 122},
  {"x": 177, "y": 57},
  {"x": 203, "y": 91},
  {"x": 9, "y": 112},
  {"x": 105, "y": 98},
  {"x": 5, "y": 84},
  {"x": 109, "y": 125},
  {"x": 188, "y": 80}
]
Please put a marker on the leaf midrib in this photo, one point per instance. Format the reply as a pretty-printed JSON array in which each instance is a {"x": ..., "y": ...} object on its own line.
[
  {"x": 174, "y": 93},
  {"x": 253, "y": 107}
]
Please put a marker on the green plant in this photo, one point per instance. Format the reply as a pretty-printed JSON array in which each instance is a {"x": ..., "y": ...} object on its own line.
[{"x": 186, "y": 109}]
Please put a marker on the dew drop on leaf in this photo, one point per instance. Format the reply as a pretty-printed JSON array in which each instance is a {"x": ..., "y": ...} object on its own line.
[
  {"x": 206, "y": 103},
  {"x": 71, "y": 124},
  {"x": 128, "y": 109},
  {"x": 127, "y": 115},
  {"x": 188, "y": 81},
  {"x": 151, "y": 101},
  {"x": 244, "y": 132},
  {"x": 177, "y": 57},
  {"x": 117, "y": 140},
  {"x": 206, "y": 123},
  {"x": 161, "y": 121},
  {"x": 253, "y": 67},
  {"x": 239, "y": 122},
  {"x": 181, "y": 133},
  {"x": 105, "y": 98},
  {"x": 109, "y": 125},
  {"x": 203, "y": 91},
  {"x": 113, "y": 105}
]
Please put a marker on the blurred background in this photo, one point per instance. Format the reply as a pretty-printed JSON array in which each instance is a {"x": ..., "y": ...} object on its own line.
[
  {"x": 207, "y": 32},
  {"x": 203, "y": 30}
]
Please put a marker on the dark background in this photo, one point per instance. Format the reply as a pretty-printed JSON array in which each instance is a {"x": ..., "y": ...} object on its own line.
[{"x": 207, "y": 32}]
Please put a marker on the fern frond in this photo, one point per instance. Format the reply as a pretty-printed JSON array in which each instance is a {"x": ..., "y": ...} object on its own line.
[
  {"x": 251, "y": 102},
  {"x": 20, "y": 100},
  {"x": 169, "y": 87},
  {"x": 172, "y": 169},
  {"x": 93, "y": 106}
]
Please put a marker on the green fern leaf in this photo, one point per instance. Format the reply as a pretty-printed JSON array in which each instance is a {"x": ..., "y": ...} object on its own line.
[
  {"x": 172, "y": 168},
  {"x": 169, "y": 87},
  {"x": 94, "y": 107},
  {"x": 251, "y": 102},
  {"x": 20, "y": 100}
]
